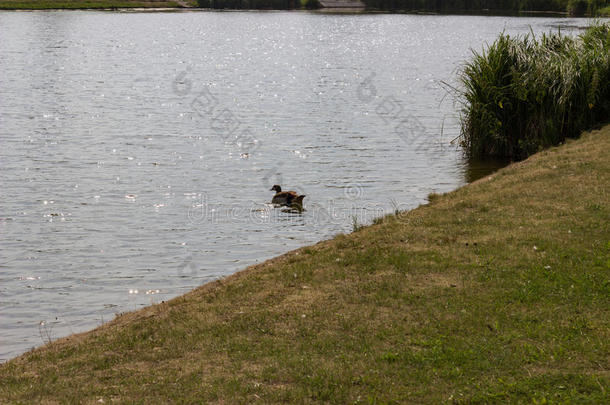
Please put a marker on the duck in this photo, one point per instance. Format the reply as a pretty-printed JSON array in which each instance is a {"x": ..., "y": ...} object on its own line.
[{"x": 287, "y": 198}]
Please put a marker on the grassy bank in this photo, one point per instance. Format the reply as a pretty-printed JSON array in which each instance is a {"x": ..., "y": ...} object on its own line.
[
  {"x": 89, "y": 4},
  {"x": 497, "y": 292},
  {"x": 523, "y": 94}
]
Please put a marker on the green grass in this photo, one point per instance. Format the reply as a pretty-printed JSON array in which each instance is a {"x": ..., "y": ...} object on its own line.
[
  {"x": 498, "y": 292},
  {"x": 86, "y": 4},
  {"x": 523, "y": 94}
]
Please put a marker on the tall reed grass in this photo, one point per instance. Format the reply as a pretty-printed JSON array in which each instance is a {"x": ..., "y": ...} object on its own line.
[{"x": 524, "y": 93}]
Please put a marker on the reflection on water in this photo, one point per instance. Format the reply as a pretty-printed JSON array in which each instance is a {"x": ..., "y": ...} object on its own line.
[
  {"x": 138, "y": 149},
  {"x": 477, "y": 169}
]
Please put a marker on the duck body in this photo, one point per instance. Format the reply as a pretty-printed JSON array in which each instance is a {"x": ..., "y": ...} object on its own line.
[{"x": 287, "y": 198}]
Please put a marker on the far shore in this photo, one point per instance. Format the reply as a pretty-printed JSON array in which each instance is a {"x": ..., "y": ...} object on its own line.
[{"x": 191, "y": 6}]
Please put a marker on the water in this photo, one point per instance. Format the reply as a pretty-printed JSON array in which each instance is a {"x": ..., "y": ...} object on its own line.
[{"x": 137, "y": 149}]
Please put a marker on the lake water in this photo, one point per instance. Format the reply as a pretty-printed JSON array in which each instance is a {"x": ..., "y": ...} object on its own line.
[{"x": 137, "y": 150}]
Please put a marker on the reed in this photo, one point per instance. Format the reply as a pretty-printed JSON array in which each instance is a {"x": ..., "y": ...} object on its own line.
[{"x": 523, "y": 93}]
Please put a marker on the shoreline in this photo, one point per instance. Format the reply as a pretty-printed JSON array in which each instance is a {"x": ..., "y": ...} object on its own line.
[
  {"x": 547, "y": 14},
  {"x": 495, "y": 291},
  {"x": 139, "y": 8},
  {"x": 558, "y": 9},
  {"x": 524, "y": 14}
]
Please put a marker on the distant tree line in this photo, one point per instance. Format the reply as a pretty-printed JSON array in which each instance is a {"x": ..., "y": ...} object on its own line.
[
  {"x": 577, "y": 7},
  {"x": 469, "y": 5},
  {"x": 250, "y": 4}
]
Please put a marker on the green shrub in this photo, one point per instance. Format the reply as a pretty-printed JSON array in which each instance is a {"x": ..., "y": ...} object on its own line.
[
  {"x": 523, "y": 94},
  {"x": 594, "y": 7},
  {"x": 311, "y": 4}
]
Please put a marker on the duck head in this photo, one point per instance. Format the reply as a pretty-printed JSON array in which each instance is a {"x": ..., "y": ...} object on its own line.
[{"x": 276, "y": 188}]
